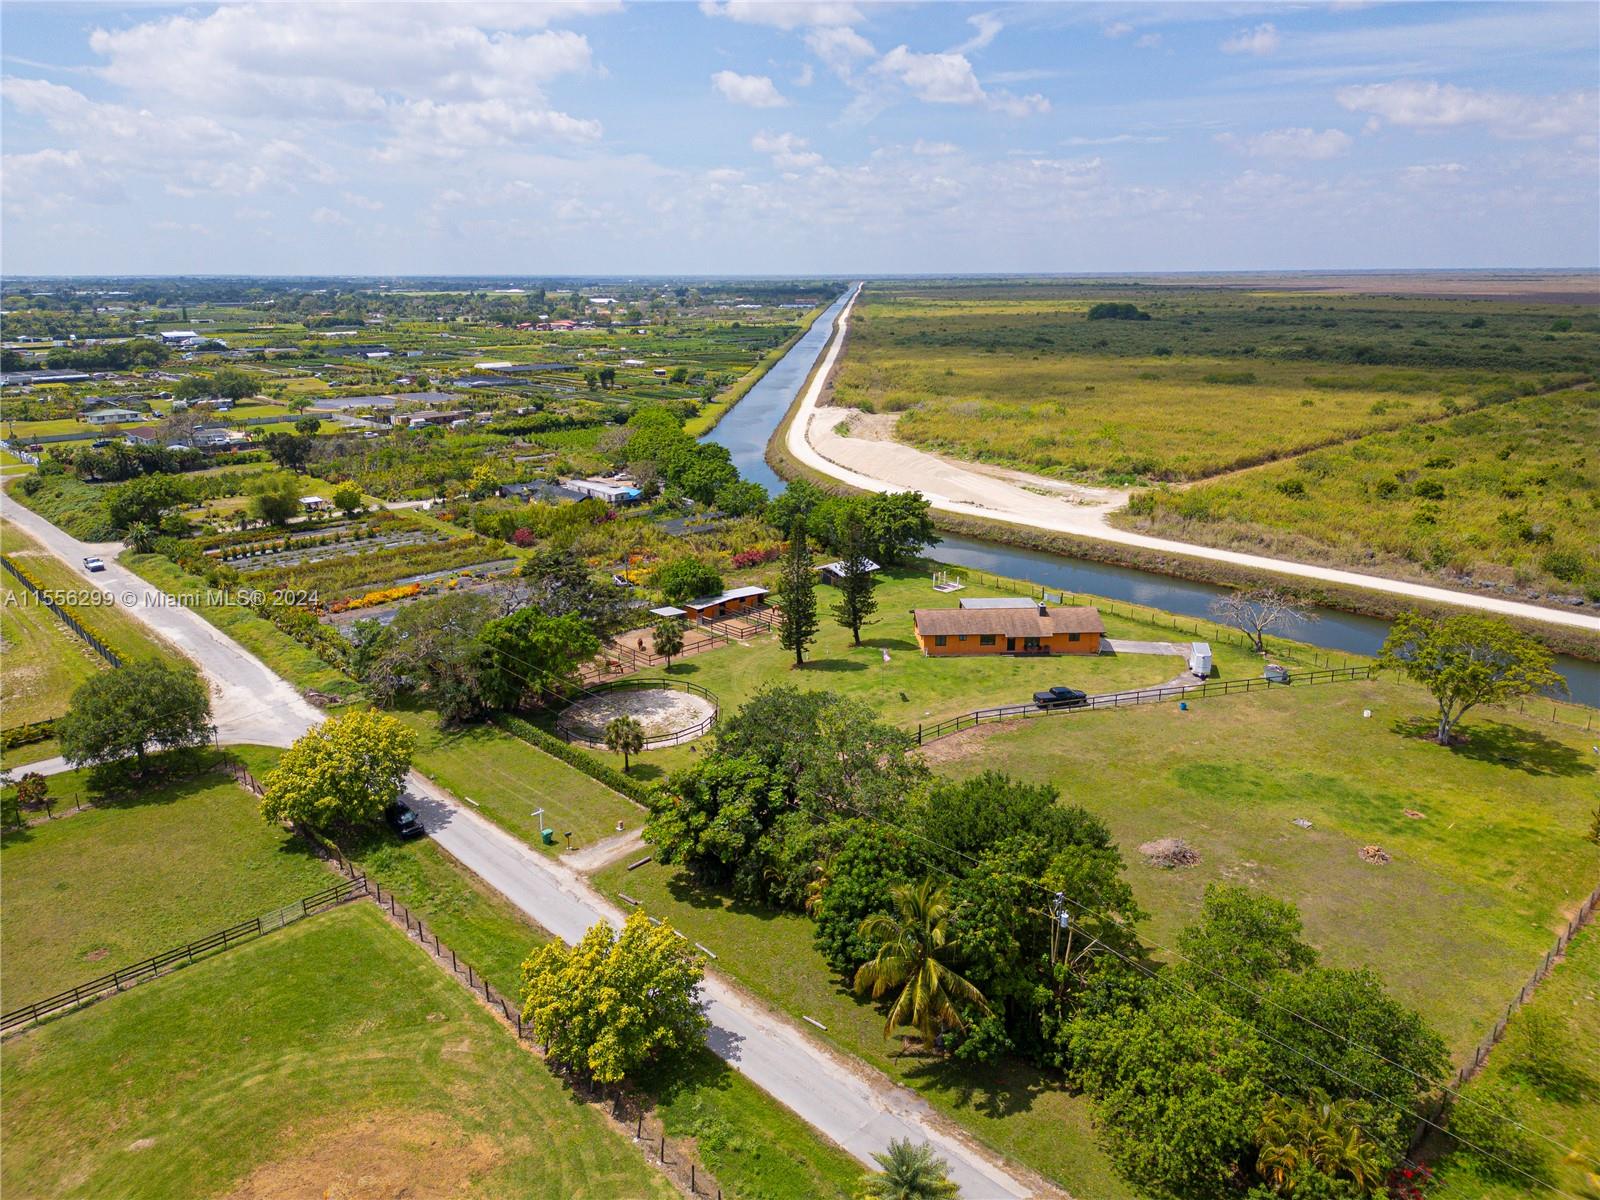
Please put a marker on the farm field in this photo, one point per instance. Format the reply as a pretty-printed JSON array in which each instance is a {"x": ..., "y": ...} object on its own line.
[
  {"x": 1509, "y": 495},
  {"x": 1482, "y": 877},
  {"x": 44, "y": 661},
  {"x": 94, "y": 890},
  {"x": 1565, "y": 1011},
  {"x": 360, "y": 1060},
  {"x": 508, "y": 779}
]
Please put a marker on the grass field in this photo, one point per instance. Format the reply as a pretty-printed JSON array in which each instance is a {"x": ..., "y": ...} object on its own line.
[
  {"x": 41, "y": 661},
  {"x": 1569, "y": 1113},
  {"x": 97, "y": 889},
  {"x": 1507, "y": 495},
  {"x": 327, "y": 1057},
  {"x": 507, "y": 779},
  {"x": 1481, "y": 880}
]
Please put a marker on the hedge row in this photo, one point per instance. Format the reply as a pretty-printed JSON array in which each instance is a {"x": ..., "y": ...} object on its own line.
[
  {"x": 88, "y": 627},
  {"x": 27, "y": 735},
  {"x": 639, "y": 793}
]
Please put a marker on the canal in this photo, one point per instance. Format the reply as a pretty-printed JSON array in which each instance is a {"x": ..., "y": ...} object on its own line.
[{"x": 746, "y": 430}]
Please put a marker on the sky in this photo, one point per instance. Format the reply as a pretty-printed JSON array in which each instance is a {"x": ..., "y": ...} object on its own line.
[{"x": 751, "y": 137}]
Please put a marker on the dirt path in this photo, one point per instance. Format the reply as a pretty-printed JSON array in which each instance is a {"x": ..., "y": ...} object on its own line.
[{"x": 874, "y": 465}]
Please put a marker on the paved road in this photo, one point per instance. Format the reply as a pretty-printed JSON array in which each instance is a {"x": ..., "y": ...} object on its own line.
[
  {"x": 858, "y": 1108},
  {"x": 249, "y": 703},
  {"x": 875, "y": 465}
]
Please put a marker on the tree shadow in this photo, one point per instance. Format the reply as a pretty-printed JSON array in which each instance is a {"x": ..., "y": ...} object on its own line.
[
  {"x": 1522, "y": 749},
  {"x": 681, "y": 668},
  {"x": 646, "y": 772},
  {"x": 834, "y": 664},
  {"x": 889, "y": 643},
  {"x": 686, "y": 889},
  {"x": 995, "y": 1090}
]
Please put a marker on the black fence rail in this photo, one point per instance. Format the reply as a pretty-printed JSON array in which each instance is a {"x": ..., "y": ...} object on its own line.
[
  {"x": 71, "y": 622},
  {"x": 181, "y": 956},
  {"x": 643, "y": 683},
  {"x": 1150, "y": 695}
]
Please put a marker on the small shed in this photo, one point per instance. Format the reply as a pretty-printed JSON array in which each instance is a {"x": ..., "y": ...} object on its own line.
[
  {"x": 1200, "y": 659},
  {"x": 668, "y": 611},
  {"x": 313, "y": 503},
  {"x": 834, "y": 572}
]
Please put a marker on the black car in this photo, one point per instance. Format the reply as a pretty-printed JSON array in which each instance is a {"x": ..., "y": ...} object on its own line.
[
  {"x": 1060, "y": 697},
  {"x": 403, "y": 820}
]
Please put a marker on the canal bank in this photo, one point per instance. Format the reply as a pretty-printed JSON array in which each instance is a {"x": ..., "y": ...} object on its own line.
[{"x": 1349, "y": 620}]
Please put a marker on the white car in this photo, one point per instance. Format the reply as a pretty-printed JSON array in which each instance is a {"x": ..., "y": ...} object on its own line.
[{"x": 95, "y": 563}]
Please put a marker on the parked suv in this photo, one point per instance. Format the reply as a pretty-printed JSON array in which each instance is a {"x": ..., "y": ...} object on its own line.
[
  {"x": 1060, "y": 697},
  {"x": 403, "y": 820}
]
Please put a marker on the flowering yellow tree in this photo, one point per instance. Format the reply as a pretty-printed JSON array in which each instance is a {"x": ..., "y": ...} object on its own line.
[{"x": 340, "y": 774}]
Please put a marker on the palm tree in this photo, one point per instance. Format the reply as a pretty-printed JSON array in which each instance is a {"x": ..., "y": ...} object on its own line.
[
  {"x": 141, "y": 537},
  {"x": 1318, "y": 1134},
  {"x": 624, "y": 736},
  {"x": 913, "y": 945},
  {"x": 909, "y": 1173},
  {"x": 668, "y": 638}
]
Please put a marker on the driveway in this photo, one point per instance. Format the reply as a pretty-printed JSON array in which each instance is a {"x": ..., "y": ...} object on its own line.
[{"x": 885, "y": 466}]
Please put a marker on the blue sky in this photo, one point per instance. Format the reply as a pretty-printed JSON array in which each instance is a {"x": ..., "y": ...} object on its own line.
[{"x": 740, "y": 136}]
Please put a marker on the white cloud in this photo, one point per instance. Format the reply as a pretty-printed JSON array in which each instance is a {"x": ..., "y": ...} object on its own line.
[
  {"x": 932, "y": 149},
  {"x": 328, "y": 216},
  {"x": 1436, "y": 106},
  {"x": 805, "y": 77},
  {"x": 1433, "y": 174},
  {"x": 1289, "y": 143},
  {"x": 1117, "y": 29},
  {"x": 949, "y": 79},
  {"x": 357, "y": 200},
  {"x": 782, "y": 14},
  {"x": 839, "y": 48},
  {"x": 1117, "y": 139},
  {"x": 789, "y": 152},
  {"x": 752, "y": 91},
  {"x": 1263, "y": 39},
  {"x": 1148, "y": 41},
  {"x": 986, "y": 27}
]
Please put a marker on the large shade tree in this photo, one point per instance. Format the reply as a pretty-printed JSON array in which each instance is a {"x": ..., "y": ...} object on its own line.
[
  {"x": 341, "y": 774},
  {"x": 122, "y": 714}
]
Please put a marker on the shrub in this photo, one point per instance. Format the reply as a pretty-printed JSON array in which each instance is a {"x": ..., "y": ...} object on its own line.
[
  {"x": 1428, "y": 489},
  {"x": 1295, "y": 489}
]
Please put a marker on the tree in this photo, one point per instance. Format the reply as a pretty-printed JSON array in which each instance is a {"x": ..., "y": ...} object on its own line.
[
  {"x": 341, "y": 774},
  {"x": 1241, "y": 940},
  {"x": 530, "y": 653},
  {"x": 686, "y": 578},
  {"x": 291, "y": 451},
  {"x": 667, "y": 636},
  {"x": 1256, "y": 611},
  {"x": 1466, "y": 660},
  {"x": 858, "y": 882},
  {"x": 558, "y": 582},
  {"x": 33, "y": 793},
  {"x": 742, "y": 498},
  {"x": 624, "y": 736},
  {"x": 898, "y": 525},
  {"x": 275, "y": 499},
  {"x": 141, "y": 537},
  {"x": 797, "y": 596},
  {"x": 145, "y": 500},
  {"x": 307, "y": 425},
  {"x": 121, "y": 714},
  {"x": 712, "y": 817},
  {"x": 908, "y": 1172},
  {"x": 856, "y": 581},
  {"x": 347, "y": 499},
  {"x": 914, "y": 949},
  {"x": 433, "y": 646},
  {"x": 1318, "y": 1136},
  {"x": 483, "y": 482},
  {"x": 616, "y": 1001}
]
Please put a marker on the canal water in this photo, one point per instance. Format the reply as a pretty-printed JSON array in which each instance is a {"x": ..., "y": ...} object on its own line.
[{"x": 746, "y": 430}]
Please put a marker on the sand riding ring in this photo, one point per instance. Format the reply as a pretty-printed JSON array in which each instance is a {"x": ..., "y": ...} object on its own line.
[{"x": 671, "y": 711}]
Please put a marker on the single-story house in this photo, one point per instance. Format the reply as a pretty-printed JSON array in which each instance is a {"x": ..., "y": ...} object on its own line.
[
  {"x": 429, "y": 416},
  {"x": 1035, "y": 629},
  {"x": 113, "y": 416},
  {"x": 726, "y": 604},
  {"x": 611, "y": 491},
  {"x": 178, "y": 336},
  {"x": 834, "y": 572},
  {"x": 144, "y": 435}
]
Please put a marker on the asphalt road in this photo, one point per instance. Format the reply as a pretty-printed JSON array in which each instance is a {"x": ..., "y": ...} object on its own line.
[
  {"x": 875, "y": 465},
  {"x": 850, "y": 1103}
]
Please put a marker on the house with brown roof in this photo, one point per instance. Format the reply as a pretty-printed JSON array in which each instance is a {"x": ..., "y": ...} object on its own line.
[{"x": 1034, "y": 629}]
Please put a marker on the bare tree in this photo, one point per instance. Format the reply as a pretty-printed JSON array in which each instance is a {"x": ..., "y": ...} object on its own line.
[{"x": 1258, "y": 611}]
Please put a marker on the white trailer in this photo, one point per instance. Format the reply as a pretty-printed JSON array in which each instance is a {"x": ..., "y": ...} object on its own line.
[{"x": 1200, "y": 659}]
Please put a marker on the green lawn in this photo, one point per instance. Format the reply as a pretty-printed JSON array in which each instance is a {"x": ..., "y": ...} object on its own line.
[
  {"x": 100, "y": 888},
  {"x": 507, "y": 779},
  {"x": 329, "y": 1059},
  {"x": 1480, "y": 881},
  {"x": 41, "y": 661},
  {"x": 1023, "y": 1113},
  {"x": 1568, "y": 1115},
  {"x": 261, "y": 637}
]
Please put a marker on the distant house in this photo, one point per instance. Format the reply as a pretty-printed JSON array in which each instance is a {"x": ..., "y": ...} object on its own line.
[
  {"x": 611, "y": 491},
  {"x": 429, "y": 416},
  {"x": 33, "y": 378},
  {"x": 113, "y": 416},
  {"x": 726, "y": 604},
  {"x": 313, "y": 504},
  {"x": 1033, "y": 629},
  {"x": 178, "y": 336},
  {"x": 144, "y": 435},
  {"x": 834, "y": 572},
  {"x": 218, "y": 437}
]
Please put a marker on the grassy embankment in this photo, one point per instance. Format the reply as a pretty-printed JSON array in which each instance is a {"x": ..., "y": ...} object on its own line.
[
  {"x": 720, "y": 405},
  {"x": 329, "y": 1054}
]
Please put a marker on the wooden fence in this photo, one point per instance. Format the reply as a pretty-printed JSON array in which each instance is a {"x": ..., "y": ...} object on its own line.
[
  {"x": 660, "y": 741},
  {"x": 181, "y": 956},
  {"x": 67, "y": 618},
  {"x": 1153, "y": 695}
]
